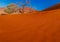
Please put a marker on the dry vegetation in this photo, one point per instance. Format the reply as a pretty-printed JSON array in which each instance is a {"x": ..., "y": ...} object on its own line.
[{"x": 14, "y": 9}]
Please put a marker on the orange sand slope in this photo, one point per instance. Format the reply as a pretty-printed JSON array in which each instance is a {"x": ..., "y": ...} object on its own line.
[{"x": 37, "y": 27}]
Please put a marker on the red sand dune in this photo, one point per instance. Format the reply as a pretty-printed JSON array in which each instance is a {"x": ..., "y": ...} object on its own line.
[{"x": 34, "y": 27}]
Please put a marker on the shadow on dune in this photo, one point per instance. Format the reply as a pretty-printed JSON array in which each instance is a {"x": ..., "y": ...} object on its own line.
[{"x": 56, "y": 6}]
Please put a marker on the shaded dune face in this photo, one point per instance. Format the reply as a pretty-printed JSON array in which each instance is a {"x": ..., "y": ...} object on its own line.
[
  {"x": 37, "y": 27},
  {"x": 57, "y": 6}
]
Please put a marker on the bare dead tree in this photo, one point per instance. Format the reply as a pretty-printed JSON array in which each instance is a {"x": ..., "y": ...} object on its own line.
[
  {"x": 21, "y": 10},
  {"x": 27, "y": 2}
]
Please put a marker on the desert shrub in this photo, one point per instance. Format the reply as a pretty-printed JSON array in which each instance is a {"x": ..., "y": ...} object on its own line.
[
  {"x": 8, "y": 11},
  {"x": 11, "y": 8}
]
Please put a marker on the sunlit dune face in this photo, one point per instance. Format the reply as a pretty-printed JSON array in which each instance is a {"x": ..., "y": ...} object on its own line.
[{"x": 35, "y": 27}]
